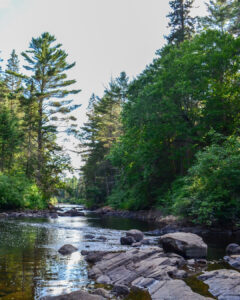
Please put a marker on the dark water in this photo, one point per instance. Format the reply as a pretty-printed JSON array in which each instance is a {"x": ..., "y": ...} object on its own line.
[{"x": 31, "y": 267}]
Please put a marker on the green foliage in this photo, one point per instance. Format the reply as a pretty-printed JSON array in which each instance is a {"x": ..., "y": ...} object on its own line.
[
  {"x": 171, "y": 107},
  {"x": 210, "y": 192},
  {"x": 181, "y": 23},
  {"x": 19, "y": 192}
]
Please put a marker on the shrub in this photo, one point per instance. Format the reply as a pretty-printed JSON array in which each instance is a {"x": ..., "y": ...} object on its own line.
[
  {"x": 19, "y": 192},
  {"x": 211, "y": 191}
]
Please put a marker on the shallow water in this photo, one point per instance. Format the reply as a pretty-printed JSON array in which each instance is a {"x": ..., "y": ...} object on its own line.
[{"x": 31, "y": 267}]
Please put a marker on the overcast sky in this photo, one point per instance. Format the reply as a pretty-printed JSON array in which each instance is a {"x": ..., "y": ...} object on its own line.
[{"x": 104, "y": 37}]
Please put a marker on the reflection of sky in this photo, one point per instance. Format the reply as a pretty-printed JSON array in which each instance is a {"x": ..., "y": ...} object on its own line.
[{"x": 51, "y": 272}]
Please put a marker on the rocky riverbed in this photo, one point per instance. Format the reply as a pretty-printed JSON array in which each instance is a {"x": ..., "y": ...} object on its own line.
[{"x": 88, "y": 256}]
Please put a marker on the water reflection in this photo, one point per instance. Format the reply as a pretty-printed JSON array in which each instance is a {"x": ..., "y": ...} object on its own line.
[{"x": 31, "y": 267}]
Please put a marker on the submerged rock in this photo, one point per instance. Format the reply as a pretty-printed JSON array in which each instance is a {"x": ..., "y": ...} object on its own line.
[
  {"x": 187, "y": 244},
  {"x": 223, "y": 284},
  {"x": 67, "y": 249},
  {"x": 79, "y": 295}
]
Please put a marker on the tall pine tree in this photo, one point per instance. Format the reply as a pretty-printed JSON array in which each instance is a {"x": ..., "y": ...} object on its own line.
[
  {"x": 181, "y": 23},
  {"x": 47, "y": 62}
]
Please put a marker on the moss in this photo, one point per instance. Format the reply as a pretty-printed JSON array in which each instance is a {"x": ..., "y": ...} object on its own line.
[{"x": 138, "y": 295}]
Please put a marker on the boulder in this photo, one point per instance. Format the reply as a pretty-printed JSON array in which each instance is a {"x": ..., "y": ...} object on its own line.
[
  {"x": 223, "y": 284},
  {"x": 78, "y": 295},
  {"x": 127, "y": 240},
  {"x": 233, "y": 249},
  {"x": 187, "y": 244},
  {"x": 233, "y": 260},
  {"x": 54, "y": 215},
  {"x": 136, "y": 234},
  {"x": 67, "y": 249},
  {"x": 120, "y": 290}
]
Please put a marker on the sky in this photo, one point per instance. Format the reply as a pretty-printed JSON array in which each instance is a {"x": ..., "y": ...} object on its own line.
[{"x": 103, "y": 37}]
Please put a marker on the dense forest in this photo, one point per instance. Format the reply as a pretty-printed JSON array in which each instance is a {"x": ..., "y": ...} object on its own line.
[
  {"x": 34, "y": 109},
  {"x": 169, "y": 138}
]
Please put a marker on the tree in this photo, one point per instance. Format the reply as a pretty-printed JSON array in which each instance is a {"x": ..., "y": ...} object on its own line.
[
  {"x": 10, "y": 138},
  {"x": 234, "y": 26},
  {"x": 98, "y": 135},
  {"x": 47, "y": 62},
  {"x": 219, "y": 15},
  {"x": 181, "y": 23}
]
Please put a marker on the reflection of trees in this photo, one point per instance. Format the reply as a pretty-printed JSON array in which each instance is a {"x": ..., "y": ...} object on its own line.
[{"x": 21, "y": 260}]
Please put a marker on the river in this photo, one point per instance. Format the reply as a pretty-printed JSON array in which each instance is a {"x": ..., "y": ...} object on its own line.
[{"x": 30, "y": 265}]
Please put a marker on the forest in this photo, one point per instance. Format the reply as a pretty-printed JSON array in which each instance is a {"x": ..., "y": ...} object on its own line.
[{"x": 167, "y": 139}]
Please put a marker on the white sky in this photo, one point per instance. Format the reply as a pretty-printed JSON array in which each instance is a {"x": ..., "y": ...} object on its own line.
[{"x": 104, "y": 37}]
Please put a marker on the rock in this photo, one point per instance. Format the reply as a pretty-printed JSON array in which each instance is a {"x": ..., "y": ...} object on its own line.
[
  {"x": 173, "y": 290},
  {"x": 145, "y": 242},
  {"x": 233, "y": 260},
  {"x": 67, "y": 249},
  {"x": 79, "y": 295},
  {"x": 103, "y": 279},
  {"x": 95, "y": 256},
  {"x": 102, "y": 238},
  {"x": 102, "y": 292},
  {"x": 187, "y": 244},
  {"x": 120, "y": 290},
  {"x": 191, "y": 262},
  {"x": 89, "y": 236},
  {"x": 3, "y": 215},
  {"x": 223, "y": 284},
  {"x": 54, "y": 215},
  {"x": 233, "y": 249},
  {"x": 136, "y": 234},
  {"x": 72, "y": 213},
  {"x": 127, "y": 240},
  {"x": 138, "y": 244},
  {"x": 201, "y": 262},
  {"x": 146, "y": 268}
]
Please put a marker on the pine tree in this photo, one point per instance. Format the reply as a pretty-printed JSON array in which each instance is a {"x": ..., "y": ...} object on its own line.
[
  {"x": 181, "y": 23},
  {"x": 47, "y": 62},
  {"x": 234, "y": 25},
  {"x": 12, "y": 81},
  {"x": 219, "y": 15}
]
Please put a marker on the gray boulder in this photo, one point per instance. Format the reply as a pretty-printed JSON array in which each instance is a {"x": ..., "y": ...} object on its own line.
[
  {"x": 187, "y": 244},
  {"x": 223, "y": 284},
  {"x": 233, "y": 249},
  {"x": 67, "y": 249},
  {"x": 136, "y": 234},
  {"x": 127, "y": 240},
  {"x": 233, "y": 260}
]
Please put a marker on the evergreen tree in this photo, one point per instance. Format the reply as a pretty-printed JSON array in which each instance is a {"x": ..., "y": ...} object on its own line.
[
  {"x": 219, "y": 15},
  {"x": 181, "y": 23},
  {"x": 234, "y": 25},
  {"x": 12, "y": 81},
  {"x": 47, "y": 62}
]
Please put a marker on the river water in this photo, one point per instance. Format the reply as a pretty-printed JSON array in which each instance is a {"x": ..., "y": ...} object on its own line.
[{"x": 30, "y": 265}]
